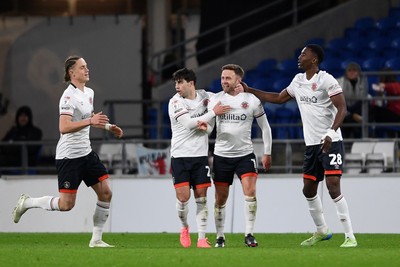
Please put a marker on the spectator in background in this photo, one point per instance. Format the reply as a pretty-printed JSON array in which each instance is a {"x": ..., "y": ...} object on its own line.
[
  {"x": 23, "y": 130},
  {"x": 388, "y": 86},
  {"x": 354, "y": 85}
]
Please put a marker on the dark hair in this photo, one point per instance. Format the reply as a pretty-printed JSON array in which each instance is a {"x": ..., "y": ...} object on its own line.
[
  {"x": 69, "y": 63},
  {"x": 24, "y": 110},
  {"x": 236, "y": 68},
  {"x": 316, "y": 49},
  {"x": 184, "y": 74}
]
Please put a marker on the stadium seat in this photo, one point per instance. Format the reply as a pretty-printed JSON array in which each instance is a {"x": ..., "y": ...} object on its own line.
[
  {"x": 395, "y": 43},
  {"x": 355, "y": 160},
  {"x": 393, "y": 63},
  {"x": 373, "y": 64},
  {"x": 379, "y": 44},
  {"x": 385, "y": 24},
  {"x": 356, "y": 46},
  {"x": 317, "y": 40},
  {"x": 386, "y": 151},
  {"x": 288, "y": 66},
  {"x": 266, "y": 65},
  {"x": 337, "y": 44},
  {"x": 284, "y": 116},
  {"x": 364, "y": 23},
  {"x": 111, "y": 156},
  {"x": 215, "y": 86},
  {"x": 354, "y": 33},
  {"x": 264, "y": 84},
  {"x": 331, "y": 65},
  {"x": 281, "y": 84}
]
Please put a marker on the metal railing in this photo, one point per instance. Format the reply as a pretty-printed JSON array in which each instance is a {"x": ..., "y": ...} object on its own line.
[
  {"x": 287, "y": 156},
  {"x": 157, "y": 66}
]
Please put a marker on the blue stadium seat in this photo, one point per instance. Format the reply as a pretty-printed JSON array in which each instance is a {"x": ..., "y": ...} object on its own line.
[
  {"x": 281, "y": 84},
  {"x": 356, "y": 46},
  {"x": 266, "y": 65},
  {"x": 337, "y": 44},
  {"x": 284, "y": 116},
  {"x": 317, "y": 40},
  {"x": 395, "y": 43},
  {"x": 346, "y": 61},
  {"x": 369, "y": 53},
  {"x": 264, "y": 84},
  {"x": 393, "y": 63},
  {"x": 331, "y": 65},
  {"x": 390, "y": 53},
  {"x": 385, "y": 24},
  {"x": 215, "y": 86},
  {"x": 354, "y": 33},
  {"x": 373, "y": 64},
  {"x": 379, "y": 44},
  {"x": 288, "y": 66},
  {"x": 364, "y": 23}
]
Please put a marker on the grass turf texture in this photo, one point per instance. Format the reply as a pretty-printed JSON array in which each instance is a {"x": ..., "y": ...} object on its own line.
[{"x": 132, "y": 249}]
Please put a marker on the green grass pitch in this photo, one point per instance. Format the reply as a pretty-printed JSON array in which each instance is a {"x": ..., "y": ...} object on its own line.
[{"x": 163, "y": 249}]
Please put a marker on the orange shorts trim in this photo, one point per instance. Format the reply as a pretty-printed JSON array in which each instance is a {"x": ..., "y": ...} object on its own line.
[
  {"x": 333, "y": 172},
  {"x": 221, "y": 183},
  {"x": 105, "y": 176},
  {"x": 69, "y": 191},
  {"x": 203, "y": 185},
  {"x": 249, "y": 174},
  {"x": 310, "y": 177},
  {"x": 181, "y": 184}
]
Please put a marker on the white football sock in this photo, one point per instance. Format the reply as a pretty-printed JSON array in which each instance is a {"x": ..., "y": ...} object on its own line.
[
  {"x": 317, "y": 214},
  {"x": 250, "y": 211},
  {"x": 45, "y": 202},
  {"x": 344, "y": 216},
  {"x": 100, "y": 217},
  {"x": 219, "y": 215},
  {"x": 201, "y": 216},
  {"x": 183, "y": 210}
]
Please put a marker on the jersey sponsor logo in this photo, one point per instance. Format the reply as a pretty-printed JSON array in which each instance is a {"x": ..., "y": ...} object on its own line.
[
  {"x": 308, "y": 99},
  {"x": 245, "y": 105},
  {"x": 233, "y": 117},
  {"x": 198, "y": 114}
]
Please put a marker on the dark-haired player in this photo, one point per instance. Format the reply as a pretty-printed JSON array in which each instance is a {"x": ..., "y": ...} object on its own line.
[{"x": 323, "y": 108}]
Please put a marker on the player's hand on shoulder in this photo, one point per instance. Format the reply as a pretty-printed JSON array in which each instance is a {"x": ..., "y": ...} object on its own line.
[{"x": 220, "y": 109}]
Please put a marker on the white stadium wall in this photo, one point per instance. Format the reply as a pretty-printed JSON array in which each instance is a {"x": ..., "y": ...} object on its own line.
[{"x": 142, "y": 204}]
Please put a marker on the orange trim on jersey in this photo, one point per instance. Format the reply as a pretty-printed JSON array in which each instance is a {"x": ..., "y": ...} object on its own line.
[
  {"x": 181, "y": 184},
  {"x": 203, "y": 185},
  {"x": 249, "y": 174},
  {"x": 333, "y": 172},
  {"x": 105, "y": 176},
  {"x": 221, "y": 183},
  {"x": 311, "y": 177},
  {"x": 69, "y": 191}
]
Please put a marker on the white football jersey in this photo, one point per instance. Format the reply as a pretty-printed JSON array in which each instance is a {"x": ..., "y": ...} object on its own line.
[
  {"x": 79, "y": 105},
  {"x": 316, "y": 108},
  {"x": 234, "y": 128},
  {"x": 185, "y": 142}
]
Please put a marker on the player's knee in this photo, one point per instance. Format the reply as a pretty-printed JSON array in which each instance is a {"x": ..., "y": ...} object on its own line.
[{"x": 66, "y": 205}]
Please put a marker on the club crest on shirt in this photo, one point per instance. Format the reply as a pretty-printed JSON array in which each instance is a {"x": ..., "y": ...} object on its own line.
[
  {"x": 91, "y": 101},
  {"x": 205, "y": 102},
  {"x": 245, "y": 105},
  {"x": 314, "y": 86}
]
